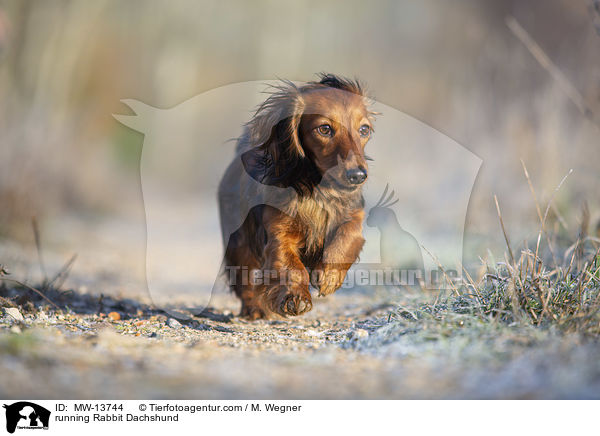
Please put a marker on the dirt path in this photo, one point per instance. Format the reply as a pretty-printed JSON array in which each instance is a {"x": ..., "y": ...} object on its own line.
[
  {"x": 351, "y": 346},
  {"x": 354, "y": 344}
]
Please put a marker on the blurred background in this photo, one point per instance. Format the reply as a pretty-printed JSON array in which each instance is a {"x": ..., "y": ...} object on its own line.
[{"x": 456, "y": 65}]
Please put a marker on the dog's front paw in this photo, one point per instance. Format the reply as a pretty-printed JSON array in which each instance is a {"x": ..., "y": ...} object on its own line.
[
  {"x": 329, "y": 280},
  {"x": 296, "y": 304},
  {"x": 291, "y": 301}
]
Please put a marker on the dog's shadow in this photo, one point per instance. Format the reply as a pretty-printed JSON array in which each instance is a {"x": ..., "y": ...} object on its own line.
[{"x": 29, "y": 299}]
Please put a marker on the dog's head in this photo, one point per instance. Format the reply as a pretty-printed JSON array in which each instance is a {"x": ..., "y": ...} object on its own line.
[{"x": 315, "y": 134}]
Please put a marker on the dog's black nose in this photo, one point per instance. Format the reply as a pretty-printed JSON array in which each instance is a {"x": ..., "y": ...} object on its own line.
[{"x": 356, "y": 175}]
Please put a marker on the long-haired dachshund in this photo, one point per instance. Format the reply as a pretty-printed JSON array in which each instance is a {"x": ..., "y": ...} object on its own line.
[{"x": 304, "y": 148}]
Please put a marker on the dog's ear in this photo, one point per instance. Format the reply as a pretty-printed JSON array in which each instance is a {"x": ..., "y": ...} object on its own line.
[
  {"x": 275, "y": 125},
  {"x": 279, "y": 158},
  {"x": 285, "y": 138}
]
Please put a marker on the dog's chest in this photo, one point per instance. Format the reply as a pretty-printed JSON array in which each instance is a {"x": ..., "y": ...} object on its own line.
[{"x": 319, "y": 221}]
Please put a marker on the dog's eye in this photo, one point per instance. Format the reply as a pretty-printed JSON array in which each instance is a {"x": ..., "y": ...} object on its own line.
[
  {"x": 364, "y": 130},
  {"x": 325, "y": 130}
]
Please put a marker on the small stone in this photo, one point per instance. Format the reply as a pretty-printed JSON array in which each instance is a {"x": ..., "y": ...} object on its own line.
[
  {"x": 114, "y": 316},
  {"x": 360, "y": 334},
  {"x": 173, "y": 323},
  {"x": 14, "y": 313}
]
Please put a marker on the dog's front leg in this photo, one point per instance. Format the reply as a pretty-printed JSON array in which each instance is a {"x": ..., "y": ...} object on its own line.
[
  {"x": 340, "y": 254},
  {"x": 286, "y": 279}
]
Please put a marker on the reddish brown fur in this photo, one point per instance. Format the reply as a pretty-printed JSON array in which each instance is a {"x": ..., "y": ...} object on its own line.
[{"x": 317, "y": 233}]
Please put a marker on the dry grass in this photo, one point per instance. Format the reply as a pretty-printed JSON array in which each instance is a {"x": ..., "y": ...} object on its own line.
[
  {"x": 528, "y": 291},
  {"x": 562, "y": 292},
  {"x": 565, "y": 294}
]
